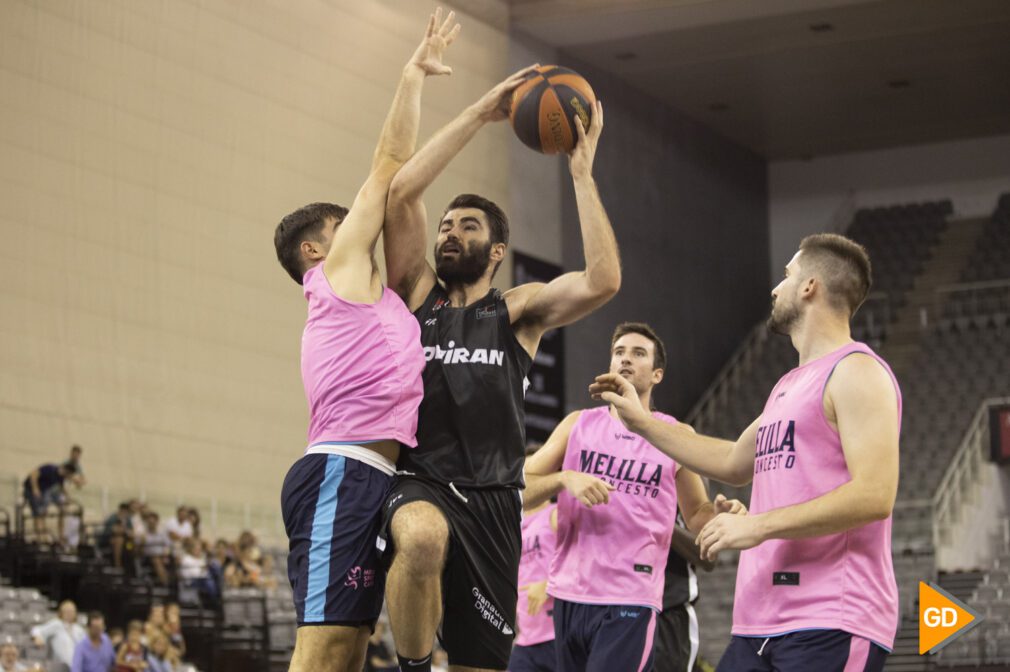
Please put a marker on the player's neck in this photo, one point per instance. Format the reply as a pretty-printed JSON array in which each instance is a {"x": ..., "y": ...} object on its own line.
[
  {"x": 461, "y": 295},
  {"x": 820, "y": 332}
]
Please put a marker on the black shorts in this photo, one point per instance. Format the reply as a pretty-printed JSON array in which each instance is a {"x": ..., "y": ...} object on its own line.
[
  {"x": 481, "y": 575},
  {"x": 676, "y": 639},
  {"x": 332, "y": 508},
  {"x": 534, "y": 658}
]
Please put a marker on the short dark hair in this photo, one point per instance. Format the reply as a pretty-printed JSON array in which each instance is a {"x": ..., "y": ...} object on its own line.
[
  {"x": 302, "y": 224},
  {"x": 842, "y": 264},
  {"x": 498, "y": 221},
  {"x": 76, "y": 449},
  {"x": 624, "y": 328},
  {"x": 94, "y": 616}
]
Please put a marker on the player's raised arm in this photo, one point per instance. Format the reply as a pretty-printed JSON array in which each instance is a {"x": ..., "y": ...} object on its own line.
[
  {"x": 537, "y": 308},
  {"x": 354, "y": 240},
  {"x": 405, "y": 242},
  {"x": 726, "y": 461}
]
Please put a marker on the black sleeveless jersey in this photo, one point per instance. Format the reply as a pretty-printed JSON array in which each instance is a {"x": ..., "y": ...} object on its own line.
[{"x": 471, "y": 425}]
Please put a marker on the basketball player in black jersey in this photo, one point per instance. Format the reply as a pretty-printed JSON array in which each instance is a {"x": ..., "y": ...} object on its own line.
[{"x": 454, "y": 517}]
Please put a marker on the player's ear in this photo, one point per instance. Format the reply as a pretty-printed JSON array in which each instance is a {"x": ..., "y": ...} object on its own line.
[
  {"x": 497, "y": 252},
  {"x": 657, "y": 376}
]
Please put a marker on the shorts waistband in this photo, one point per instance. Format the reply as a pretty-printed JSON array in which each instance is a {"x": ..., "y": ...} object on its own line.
[{"x": 355, "y": 452}]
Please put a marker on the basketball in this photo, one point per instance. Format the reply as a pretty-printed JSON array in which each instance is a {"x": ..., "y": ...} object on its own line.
[{"x": 544, "y": 108}]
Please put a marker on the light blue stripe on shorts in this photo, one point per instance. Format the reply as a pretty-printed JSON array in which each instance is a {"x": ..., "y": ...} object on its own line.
[{"x": 322, "y": 536}]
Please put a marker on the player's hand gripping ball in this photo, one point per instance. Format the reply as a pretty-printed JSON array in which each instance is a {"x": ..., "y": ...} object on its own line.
[{"x": 545, "y": 106}]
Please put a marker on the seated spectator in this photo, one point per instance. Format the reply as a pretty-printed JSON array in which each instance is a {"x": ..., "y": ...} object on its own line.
[
  {"x": 60, "y": 635},
  {"x": 116, "y": 637},
  {"x": 248, "y": 546},
  {"x": 194, "y": 521},
  {"x": 132, "y": 656},
  {"x": 161, "y": 657},
  {"x": 156, "y": 622},
  {"x": 94, "y": 653},
  {"x": 193, "y": 572},
  {"x": 157, "y": 547},
  {"x": 219, "y": 562},
  {"x": 173, "y": 626},
  {"x": 179, "y": 528},
  {"x": 42, "y": 487},
  {"x": 117, "y": 534},
  {"x": 9, "y": 655}
]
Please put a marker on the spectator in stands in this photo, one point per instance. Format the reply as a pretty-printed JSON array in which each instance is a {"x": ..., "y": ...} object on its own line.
[
  {"x": 73, "y": 463},
  {"x": 132, "y": 656},
  {"x": 156, "y": 623},
  {"x": 173, "y": 626},
  {"x": 94, "y": 653},
  {"x": 248, "y": 546},
  {"x": 137, "y": 511},
  {"x": 42, "y": 487},
  {"x": 378, "y": 657},
  {"x": 220, "y": 563},
  {"x": 161, "y": 657},
  {"x": 180, "y": 527},
  {"x": 60, "y": 636},
  {"x": 194, "y": 573},
  {"x": 116, "y": 637},
  {"x": 9, "y": 654},
  {"x": 117, "y": 534},
  {"x": 194, "y": 521},
  {"x": 157, "y": 548}
]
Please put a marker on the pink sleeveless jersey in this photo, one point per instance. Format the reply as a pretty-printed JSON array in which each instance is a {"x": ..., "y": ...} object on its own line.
[
  {"x": 361, "y": 366},
  {"x": 615, "y": 553},
  {"x": 538, "y": 549},
  {"x": 841, "y": 581}
]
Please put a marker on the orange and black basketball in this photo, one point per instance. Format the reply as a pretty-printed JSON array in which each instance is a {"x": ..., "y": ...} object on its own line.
[{"x": 544, "y": 108}]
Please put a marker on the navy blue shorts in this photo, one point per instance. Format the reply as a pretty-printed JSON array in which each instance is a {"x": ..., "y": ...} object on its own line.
[
  {"x": 821, "y": 650},
  {"x": 599, "y": 638},
  {"x": 332, "y": 507},
  {"x": 534, "y": 658}
]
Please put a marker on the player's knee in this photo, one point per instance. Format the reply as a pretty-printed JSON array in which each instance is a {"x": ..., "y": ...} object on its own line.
[{"x": 421, "y": 537}]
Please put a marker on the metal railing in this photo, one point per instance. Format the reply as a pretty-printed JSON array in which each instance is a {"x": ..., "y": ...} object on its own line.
[
  {"x": 963, "y": 472},
  {"x": 728, "y": 378},
  {"x": 970, "y": 298}
]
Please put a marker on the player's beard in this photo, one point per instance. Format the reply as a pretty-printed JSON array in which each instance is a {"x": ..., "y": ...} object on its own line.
[
  {"x": 468, "y": 266},
  {"x": 783, "y": 318}
]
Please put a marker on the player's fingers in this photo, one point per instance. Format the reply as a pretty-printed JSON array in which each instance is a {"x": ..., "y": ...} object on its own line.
[
  {"x": 453, "y": 34},
  {"x": 611, "y": 397},
  {"x": 450, "y": 20},
  {"x": 579, "y": 128},
  {"x": 430, "y": 29},
  {"x": 596, "y": 126}
]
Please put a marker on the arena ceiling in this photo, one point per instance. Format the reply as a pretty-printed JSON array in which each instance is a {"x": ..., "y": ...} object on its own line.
[{"x": 799, "y": 78}]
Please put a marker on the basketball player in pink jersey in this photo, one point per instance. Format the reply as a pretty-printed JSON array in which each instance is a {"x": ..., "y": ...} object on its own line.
[
  {"x": 534, "y": 647},
  {"x": 815, "y": 588},
  {"x": 361, "y": 368},
  {"x": 617, "y": 506},
  {"x": 455, "y": 511}
]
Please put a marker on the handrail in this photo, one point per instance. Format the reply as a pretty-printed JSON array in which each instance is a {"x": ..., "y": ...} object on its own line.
[
  {"x": 756, "y": 337},
  {"x": 967, "y": 461},
  {"x": 973, "y": 286}
]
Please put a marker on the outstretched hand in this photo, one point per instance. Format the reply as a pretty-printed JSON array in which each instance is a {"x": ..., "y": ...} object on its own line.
[
  {"x": 622, "y": 395},
  {"x": 438, "y": 35},
  {"x": 496, "y": 104}
]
